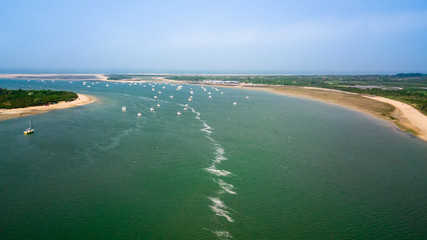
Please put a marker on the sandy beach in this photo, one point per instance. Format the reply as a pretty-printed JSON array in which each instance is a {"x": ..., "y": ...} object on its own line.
[
  {"x": 408, "y": 116},
  {"x": 404, "y": 116},
  {"x": 20, "y": 112},
  {"x": 57, "y": 77}
]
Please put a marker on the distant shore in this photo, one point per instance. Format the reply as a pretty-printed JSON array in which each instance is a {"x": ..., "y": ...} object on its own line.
[
  {"x": 404, "y": 116},
  {"x": 57, "y": 77},
  {"x": 20, "y": 112}
]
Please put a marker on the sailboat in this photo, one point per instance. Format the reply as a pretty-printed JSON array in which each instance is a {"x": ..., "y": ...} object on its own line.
[{"x": 29, "y": 129}]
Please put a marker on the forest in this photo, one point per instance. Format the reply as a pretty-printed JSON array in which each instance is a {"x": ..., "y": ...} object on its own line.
[{"x": 26, "y": 98}]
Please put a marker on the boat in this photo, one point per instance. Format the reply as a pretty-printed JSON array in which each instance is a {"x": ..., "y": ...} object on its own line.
[
  {"x": 152, "y": 109},
  {"x": 29, "y": 129},
  {"x": 124, "y": 109},
  {"x": 179, "y": 113},
  {"x": 234, "y": 103},
  {"x": 139, "y": 114}
]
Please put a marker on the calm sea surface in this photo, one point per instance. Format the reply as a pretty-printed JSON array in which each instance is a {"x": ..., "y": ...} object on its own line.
[{"x": 269, "y": 167}]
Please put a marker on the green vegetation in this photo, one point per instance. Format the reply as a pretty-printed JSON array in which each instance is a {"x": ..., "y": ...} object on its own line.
[
  {"x": 131, "y": 77},
  {"x": 119, "y": 77},
  {"x": 27, "y": 98},
  {"x": 415, "y": 97},
  {"x": 410, "y": 88}
]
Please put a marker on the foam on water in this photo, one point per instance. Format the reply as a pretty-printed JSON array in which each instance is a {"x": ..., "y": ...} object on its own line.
[
  {"x": 217, "y": 206},
  {"x": 220, "y": 209},
  {"x": 223, "y": 234},
  {"x": 226, "y": 187},
  {"x": 206, "y": 128},
  {"x": 217, "y": 172},
  {"x": 219, "y": 154}
]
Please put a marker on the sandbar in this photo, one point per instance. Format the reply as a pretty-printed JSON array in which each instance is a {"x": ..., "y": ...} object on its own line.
[
  {"x": 58, "y": 77},
  {"x": 20, "y": 112}
]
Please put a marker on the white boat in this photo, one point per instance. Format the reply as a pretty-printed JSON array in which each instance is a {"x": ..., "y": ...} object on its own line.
[
  {"x": 178, "y": 113},
  {"x": 158, "y": 105},
  {"x": 123, "y": 109},
  {"x": 234, "y": 103},
  {"x": 171, "y": 96},
  {"x": 139, "y": 114},
  {"x": 29, "y": 129},
  {"x": 185, "y": 109},
  {"x": 152, "y": 109}
]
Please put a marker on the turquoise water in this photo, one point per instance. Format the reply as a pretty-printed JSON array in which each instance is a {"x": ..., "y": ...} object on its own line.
[{"x": 271, "y": 167}]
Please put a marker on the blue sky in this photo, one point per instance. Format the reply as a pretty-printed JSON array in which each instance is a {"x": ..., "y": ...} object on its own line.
[{"x": 290, "y": 37}]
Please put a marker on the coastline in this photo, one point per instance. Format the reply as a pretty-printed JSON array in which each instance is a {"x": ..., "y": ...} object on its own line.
[
  {"x": 56, "y": 77},
  {"x": 409, "y": 117},
  {"x": 82, "y": 99},
  {"x": 402, "y": 115}
]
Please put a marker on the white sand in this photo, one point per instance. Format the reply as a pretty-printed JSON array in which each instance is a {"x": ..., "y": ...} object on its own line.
[
  {"x": 20, "y": 112},
  {"x": 408, "y": 115}
]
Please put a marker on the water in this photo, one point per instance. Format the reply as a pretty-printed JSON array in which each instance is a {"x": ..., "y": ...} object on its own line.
[{"x": 271, "y": 167}]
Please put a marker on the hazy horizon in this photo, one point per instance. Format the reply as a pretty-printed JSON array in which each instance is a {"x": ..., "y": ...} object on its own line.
[{"x": 198, "y": 72}]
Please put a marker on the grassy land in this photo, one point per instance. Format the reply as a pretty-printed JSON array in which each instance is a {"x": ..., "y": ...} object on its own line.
[
  {"x": 131, "y": 77},
  {"x": 26, "y": 98},
  {"x": 413, "y": 96},
  {"x": 413, "y": 92}
]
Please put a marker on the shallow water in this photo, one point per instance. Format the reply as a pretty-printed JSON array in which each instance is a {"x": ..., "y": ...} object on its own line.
[{"x": 271, "y": 167}]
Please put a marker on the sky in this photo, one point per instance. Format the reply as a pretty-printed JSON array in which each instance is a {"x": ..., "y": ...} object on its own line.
[{"x": 214, "y": 36}]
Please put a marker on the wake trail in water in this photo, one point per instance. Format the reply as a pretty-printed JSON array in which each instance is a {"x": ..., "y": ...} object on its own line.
[{"x": 217, "y": 205}]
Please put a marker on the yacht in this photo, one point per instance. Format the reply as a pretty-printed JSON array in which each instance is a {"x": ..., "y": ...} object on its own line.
[{"x": 29, "y": 129}]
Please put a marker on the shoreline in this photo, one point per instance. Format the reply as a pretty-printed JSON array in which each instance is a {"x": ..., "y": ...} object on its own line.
[
  {"x": 402, "y": 115},
  {"x": 56, "y": 77},
  {"x": 81, "y": 100}
]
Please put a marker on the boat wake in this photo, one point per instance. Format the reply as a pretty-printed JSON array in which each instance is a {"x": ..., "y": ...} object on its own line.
[
  {"x": 226, "y": 187},
  {"x": 217, "y": 205},
  {"x": 220, "y": 209}
]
